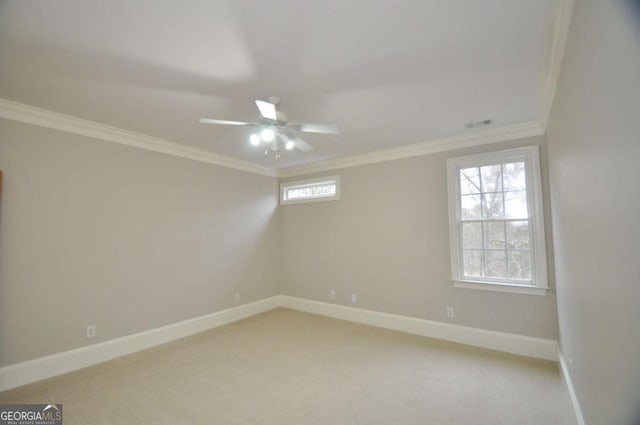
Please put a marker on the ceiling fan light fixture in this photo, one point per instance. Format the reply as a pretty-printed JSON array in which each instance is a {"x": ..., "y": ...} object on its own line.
[
  {"x": 274, "y": 129},
  {"x": 268, "y": 135}
]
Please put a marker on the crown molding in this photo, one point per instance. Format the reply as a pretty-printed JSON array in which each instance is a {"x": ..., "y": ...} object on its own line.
[
  {"x": 557, "y": 33},
  {"x": 44, "y": 118},
  {"x": 466, "y": 140},
  {"x": 49, "y": 119}
]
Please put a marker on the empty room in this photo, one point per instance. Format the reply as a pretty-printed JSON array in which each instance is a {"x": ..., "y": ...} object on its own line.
[{"x": 299, "y": 212}]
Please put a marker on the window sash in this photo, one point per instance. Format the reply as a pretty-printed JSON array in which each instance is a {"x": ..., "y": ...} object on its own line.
[{"x": 484, "y": 249}]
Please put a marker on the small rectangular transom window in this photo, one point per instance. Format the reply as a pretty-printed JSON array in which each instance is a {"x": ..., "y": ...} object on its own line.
[
  {"x": 313, "y": 190},
  {"x": 496, "y": 221}
]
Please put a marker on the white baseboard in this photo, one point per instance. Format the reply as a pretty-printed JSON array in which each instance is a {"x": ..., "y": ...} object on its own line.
[
  {"x": 19, "y": 374},
  {"x": 572, "y": 392},
  {"x": 516, "y": 344}
]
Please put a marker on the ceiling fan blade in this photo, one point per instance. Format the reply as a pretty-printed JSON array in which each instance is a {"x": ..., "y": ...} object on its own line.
[
  {"x": 267, "y": 110},
  {"x": 288, "y": 138},
  {"x": 316, "y": 128},
  {"x": 225, "y": 122},
  {"x": 301, "y": 144}
]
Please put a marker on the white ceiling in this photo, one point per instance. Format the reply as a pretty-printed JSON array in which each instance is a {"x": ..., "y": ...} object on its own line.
[{"x": 389, "y": 73}]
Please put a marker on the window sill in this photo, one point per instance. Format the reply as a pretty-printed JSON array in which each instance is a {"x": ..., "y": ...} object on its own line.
[
  {"x": 501, "y": 287},
  {"x": 309, "y": 200}
]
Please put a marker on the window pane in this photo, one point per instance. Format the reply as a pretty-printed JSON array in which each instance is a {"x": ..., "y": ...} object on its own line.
[
  {"x": 495, "y": 264},
  {"x": 493, "y": 207},
  {"x": 514, "y": 176},
  {"x": 318, "y": 191},
  {"x": 472, "y": 263},
  {"x": 491, "y": 178},
  {"x": 519, "y": 265},
  {"x": 518, "y": 235},
  {"x": 515, "y": 204},
  {"x": 325, "y": 188},
  {"x": 494, "y": 237},
  {"x": 472, "y": 235},
  {"x": 470, "y": 205},
  {"x": 469, "y": 181}
]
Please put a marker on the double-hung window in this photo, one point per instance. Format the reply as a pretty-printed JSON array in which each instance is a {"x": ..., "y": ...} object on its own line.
[{"x": 497, "y": 222}]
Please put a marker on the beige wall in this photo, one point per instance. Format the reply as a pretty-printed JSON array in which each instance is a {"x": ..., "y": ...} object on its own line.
[
  {"x": 387, "y": 240},
  {"x": 594, "y": 157},
  {"x": 92, "y": 231}
]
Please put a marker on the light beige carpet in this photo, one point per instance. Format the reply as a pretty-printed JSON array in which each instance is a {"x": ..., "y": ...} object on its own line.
[{"x": 287, "y": 367}]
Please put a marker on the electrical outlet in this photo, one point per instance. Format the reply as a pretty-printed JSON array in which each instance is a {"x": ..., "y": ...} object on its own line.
[
  {"x": 451, "y": 312},
  {"x": 332, "y": 294},
  {"x": 354, "y": 298},
  {"x": 236, "y": 297},
  {"x": 91, "y": 331}
]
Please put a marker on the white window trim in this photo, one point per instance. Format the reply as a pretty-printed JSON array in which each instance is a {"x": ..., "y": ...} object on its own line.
[
  {"x": 288, "y": 184},
  {"x": 530, "y": 155}
]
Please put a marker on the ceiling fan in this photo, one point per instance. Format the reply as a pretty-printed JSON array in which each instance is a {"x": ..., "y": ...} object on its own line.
[{"x": 274, "y": 131}]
